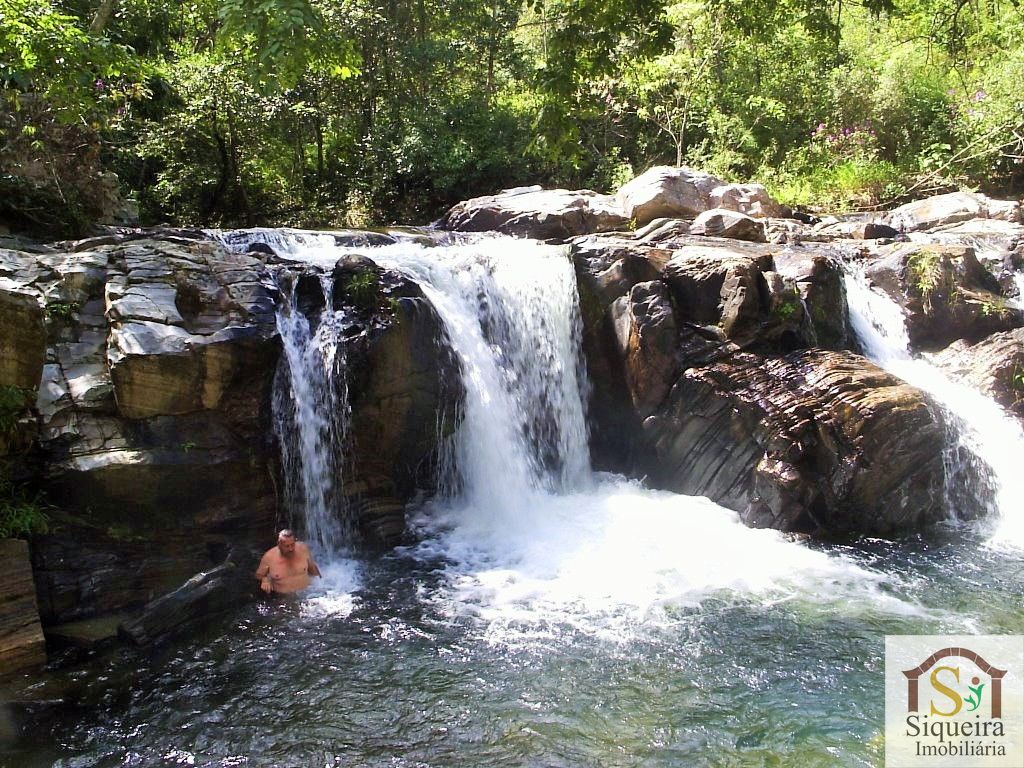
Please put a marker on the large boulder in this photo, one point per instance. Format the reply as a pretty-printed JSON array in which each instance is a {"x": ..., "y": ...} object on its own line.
[
  {"x": 552, "y": 214},
  {"x": 690, "y": 347},
  {"x": 820, "y": 442},
  {"x": 680, "y": 192},
  {"x": 951, "y": 208},
  {"x": 721, "y": 222},
  {"x": 405, "y": 393},
  {"x": 945, "y": 292}
]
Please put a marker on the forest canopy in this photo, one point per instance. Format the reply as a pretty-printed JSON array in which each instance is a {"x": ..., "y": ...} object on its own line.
[{"x": 324, "y": 113}]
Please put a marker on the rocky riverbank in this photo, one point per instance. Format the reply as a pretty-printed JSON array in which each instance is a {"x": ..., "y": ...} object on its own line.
[{"x": 714, "y": 328}]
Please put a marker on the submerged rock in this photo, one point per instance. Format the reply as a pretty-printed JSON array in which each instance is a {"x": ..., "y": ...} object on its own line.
[{"x": 203, "y": 597}]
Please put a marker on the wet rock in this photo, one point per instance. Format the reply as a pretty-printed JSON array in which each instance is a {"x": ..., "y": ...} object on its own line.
[
  {"x": 993, "y": 366},
  {"x": 405, "y": 395},
  {"x": 945, "y": 292},
  {"x": 818, "y": 278},
  {"x": 22, "y": 645},
  {"x": 203, "y": 597},
  {"x": 646, "y": 332},
  {"x": 555, "y": 214},
  {"x": 819, "y": 442}
]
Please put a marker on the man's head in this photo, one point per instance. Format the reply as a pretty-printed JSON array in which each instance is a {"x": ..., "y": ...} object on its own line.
[{"x": 286, "y": 543}]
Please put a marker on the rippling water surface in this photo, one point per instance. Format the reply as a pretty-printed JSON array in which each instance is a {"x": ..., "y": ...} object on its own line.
[{"x": 409, "y": 666}]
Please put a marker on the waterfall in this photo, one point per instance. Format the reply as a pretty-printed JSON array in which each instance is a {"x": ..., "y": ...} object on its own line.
[
  {"x": 530, "y": 533},
  {"x": 311, "y": 414},
  {"x": 512, "y": 316},
  {"x": 983, "y": 441}
]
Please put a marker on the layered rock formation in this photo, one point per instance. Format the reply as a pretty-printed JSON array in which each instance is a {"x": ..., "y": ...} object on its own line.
[
  {"x": 699, "y": 337},
  {"x": 945, "y": 291}
]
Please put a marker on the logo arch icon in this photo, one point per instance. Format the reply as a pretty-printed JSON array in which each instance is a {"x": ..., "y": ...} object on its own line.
[{"x": 913, "y": 677}]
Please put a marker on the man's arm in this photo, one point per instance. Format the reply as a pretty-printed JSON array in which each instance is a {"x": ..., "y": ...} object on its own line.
[
  {"x": 263, "y": 574},
  {"x": 311, "y": 567}
]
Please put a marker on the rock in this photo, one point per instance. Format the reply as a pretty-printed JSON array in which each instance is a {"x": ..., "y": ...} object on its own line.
[
  {"x": 749, "y": 199},
  {"x": 855, "y": 230},
  {"x": 820, "y": 442},
  {"x": 405, "y": 395},
  {"x": 993, "y": 366},
  {"x": 646, "y": 333},
  {"x": 670, "y": 192},
  {"x": 22, "y": 645},
  {"x": 719, "y": 222},
  {"x": 203, "y": 597},
  {"x": 945, "y": 292},
  {"x": 950, "y": 208},
  {"x": 659, "y": 230},
  {"x": 667, "y": 192},
  {"x": 555, "y": 214},
  {"x": 23, "y": 341},
  {"x": 820, "y": 284}
]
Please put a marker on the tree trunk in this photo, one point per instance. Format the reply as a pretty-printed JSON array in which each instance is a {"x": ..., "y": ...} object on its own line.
[{"x": 103, "y": 14}]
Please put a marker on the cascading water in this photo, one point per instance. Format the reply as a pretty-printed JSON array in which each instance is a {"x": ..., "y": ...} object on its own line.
[
  {"x": 983, "y": 441},
  {"x": 311, "y": 414}
]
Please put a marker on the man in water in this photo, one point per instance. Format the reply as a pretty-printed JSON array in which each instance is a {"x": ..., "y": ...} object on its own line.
[{"x": 287, "y": 567}]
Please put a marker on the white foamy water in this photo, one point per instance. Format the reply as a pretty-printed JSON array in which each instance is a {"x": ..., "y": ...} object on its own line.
[
  {"x": 535, "y": 536},
  {"x": 311, "y": 414},
  {"x": 979, "y": 430}
]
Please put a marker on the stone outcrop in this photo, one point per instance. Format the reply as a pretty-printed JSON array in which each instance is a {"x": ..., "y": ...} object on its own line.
[
  {"x": 945, "y": 291},
  {"x": 553, "y": 214},
  {"x": 203, "y": 597},
  {"x": 721, "y": 222},
  {"x": 711, "y": 344},
  {"x": 951, "y": 208},
  {"x": 404, "y": 391},
  {"x": 993, "y": 366},
  {"x": 679, "y": 192},
  {"x": 814, "y": 441}
]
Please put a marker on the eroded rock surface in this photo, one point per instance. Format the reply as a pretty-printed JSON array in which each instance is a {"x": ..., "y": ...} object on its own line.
[
  {"x": 715, "y": 345},
  {"x": 994, "y": 366}
]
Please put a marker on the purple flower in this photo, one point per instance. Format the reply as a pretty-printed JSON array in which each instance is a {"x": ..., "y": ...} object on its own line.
[{"x": 979, "y": 95}]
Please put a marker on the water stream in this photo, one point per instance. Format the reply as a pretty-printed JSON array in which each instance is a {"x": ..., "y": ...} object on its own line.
[
  {"x": 983, "y": 442},
  {"x": 550, "y": 615}
]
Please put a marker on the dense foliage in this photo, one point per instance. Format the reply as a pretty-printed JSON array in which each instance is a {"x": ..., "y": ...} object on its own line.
[{"x": 325, "y": 112}]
